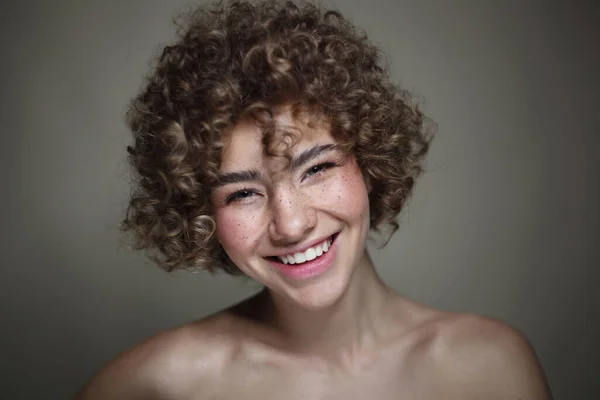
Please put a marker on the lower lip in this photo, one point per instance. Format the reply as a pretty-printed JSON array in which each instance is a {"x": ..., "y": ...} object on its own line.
[{"x": 309, "y": 269}]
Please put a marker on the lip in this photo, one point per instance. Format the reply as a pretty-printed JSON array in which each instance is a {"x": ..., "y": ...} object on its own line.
[
  {"x": 309, "y": 269},
  {"x": 303, "y": 247}
]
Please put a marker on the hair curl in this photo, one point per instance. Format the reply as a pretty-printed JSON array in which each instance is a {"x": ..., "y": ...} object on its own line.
[{"x": 236, "y": 57}]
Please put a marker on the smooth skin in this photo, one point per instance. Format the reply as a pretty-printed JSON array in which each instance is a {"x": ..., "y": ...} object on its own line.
[{"x": 341, "y": 335}]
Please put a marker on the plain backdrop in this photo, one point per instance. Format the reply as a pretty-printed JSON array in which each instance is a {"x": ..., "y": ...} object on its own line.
[{"x": 504, "y": 223}]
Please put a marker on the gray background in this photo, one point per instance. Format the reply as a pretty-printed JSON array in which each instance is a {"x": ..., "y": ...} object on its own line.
[{"x": 505, "y": 223}]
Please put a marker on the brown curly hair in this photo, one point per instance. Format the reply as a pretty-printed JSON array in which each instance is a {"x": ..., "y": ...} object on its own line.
[{"x": 231, "y": 59}]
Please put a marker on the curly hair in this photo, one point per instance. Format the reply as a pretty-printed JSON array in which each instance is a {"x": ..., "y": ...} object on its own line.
[{"x": 233, "y": 58}]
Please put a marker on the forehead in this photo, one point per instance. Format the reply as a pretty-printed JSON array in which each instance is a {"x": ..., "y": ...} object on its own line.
[{"x": 244, "y": 147}]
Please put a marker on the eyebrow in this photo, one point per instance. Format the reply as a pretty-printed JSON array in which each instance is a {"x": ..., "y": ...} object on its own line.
[
  {"x": 237, "y": 177},
  {"x": 310, "y": 154},
  {"x": 254, "y": 175}
]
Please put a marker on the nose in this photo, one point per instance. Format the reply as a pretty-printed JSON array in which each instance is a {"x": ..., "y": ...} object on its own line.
[{"x": 293, "y": 216}]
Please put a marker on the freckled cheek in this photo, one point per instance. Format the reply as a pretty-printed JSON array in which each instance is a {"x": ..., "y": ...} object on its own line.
[
  {"x": 236, "y": 232},
  {"x": 346, "y": 193}
]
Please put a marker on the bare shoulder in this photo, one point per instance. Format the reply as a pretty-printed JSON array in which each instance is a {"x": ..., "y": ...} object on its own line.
[
  {"x": 172, "y": 364},
  {"x": 477, "y": 357}
]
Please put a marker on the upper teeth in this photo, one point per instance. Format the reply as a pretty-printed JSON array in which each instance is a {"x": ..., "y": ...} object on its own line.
[{"x": 308, "y": 254}]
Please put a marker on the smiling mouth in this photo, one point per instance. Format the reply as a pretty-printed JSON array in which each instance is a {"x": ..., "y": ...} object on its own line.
[{"x": 309, "y": 254}]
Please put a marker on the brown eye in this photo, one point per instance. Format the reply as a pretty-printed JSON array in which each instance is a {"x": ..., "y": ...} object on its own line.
[
  {"x": 240, "y": 195},
  {"x": 318, "y": 168}
]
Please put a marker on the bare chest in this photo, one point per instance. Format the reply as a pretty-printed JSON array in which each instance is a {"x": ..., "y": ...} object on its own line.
[{"x": 383, "y": 381}]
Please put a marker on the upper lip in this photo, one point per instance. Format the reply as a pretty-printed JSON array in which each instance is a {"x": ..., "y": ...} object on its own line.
[{"x": 301, "y": 248}]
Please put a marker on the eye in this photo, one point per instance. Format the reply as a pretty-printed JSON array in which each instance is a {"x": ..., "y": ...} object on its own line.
[
  {"x": 240, "y": 195},
  {"x": 317, "y": 169}
]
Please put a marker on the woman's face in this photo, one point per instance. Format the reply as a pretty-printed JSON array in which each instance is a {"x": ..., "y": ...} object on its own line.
[{"x": 297, "y": 227}]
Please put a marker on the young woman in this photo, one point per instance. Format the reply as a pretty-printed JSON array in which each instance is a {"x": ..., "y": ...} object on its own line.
[{"x": 269, "y": 141}]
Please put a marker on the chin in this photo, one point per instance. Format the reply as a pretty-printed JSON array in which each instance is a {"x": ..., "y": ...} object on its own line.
[{"x": 318, "y": 295}]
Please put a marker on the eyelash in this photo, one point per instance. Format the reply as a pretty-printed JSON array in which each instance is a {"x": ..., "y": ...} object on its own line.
[
  {"x": 245, "y": 192},
  {"x": 319, "y": 168}
]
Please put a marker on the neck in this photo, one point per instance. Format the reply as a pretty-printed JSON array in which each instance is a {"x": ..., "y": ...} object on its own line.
[{"x": 350, "y": 325}]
